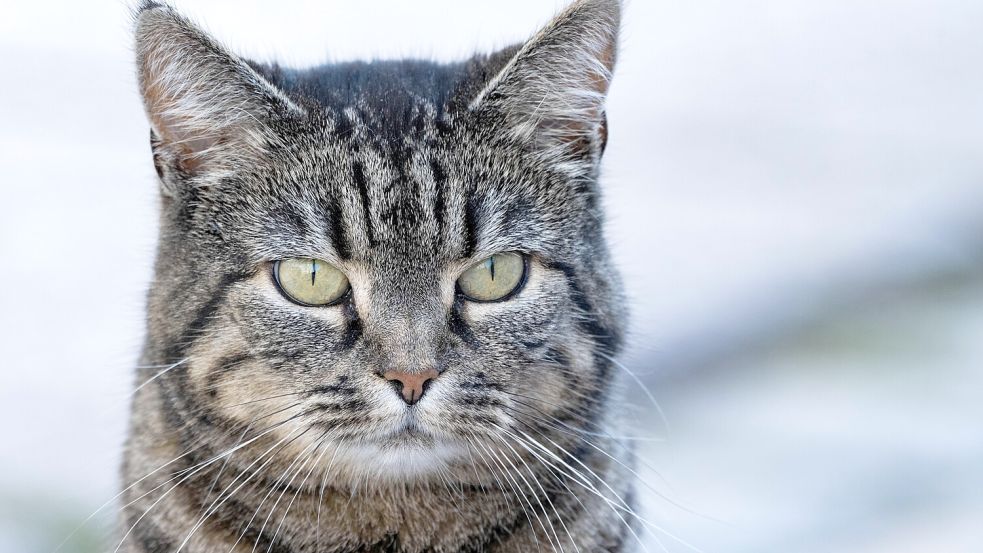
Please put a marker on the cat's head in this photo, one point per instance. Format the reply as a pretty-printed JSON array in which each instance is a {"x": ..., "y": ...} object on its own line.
[{"x": 402, "y": 260}]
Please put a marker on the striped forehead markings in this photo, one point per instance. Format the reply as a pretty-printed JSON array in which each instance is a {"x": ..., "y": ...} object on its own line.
[
  {"x": 440, "y": 181},
  {"x": 358, "y": 175},
  {"x": 336, "y": 229},
  {"x": 470, "y": 225}
]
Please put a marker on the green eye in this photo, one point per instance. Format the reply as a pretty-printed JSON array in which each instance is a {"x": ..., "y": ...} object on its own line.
[
  {"x": 310, "y": 281},
  {"x": 494, "y": 279}
]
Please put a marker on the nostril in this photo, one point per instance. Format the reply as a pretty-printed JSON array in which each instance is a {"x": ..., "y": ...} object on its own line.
[
  {"x": 411, "y": 385},
  {"x": 397, "y": 385}
]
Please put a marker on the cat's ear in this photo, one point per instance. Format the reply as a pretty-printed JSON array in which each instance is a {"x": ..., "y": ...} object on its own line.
[
  {"x": 551, "y": 92},
  {"x": 207, "y": 107}
]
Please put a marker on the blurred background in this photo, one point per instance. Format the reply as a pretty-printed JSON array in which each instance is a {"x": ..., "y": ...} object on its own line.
[{"x": 795, "y": 196}]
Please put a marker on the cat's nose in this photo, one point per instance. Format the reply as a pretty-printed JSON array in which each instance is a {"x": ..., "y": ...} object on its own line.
[{"x": 411, "y": 385}]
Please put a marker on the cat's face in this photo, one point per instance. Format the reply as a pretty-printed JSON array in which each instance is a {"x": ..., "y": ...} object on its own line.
[{"x": 390, "y": 198}]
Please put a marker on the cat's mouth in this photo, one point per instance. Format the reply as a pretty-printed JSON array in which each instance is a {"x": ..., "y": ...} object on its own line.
[{"x": 409, "y": 432}]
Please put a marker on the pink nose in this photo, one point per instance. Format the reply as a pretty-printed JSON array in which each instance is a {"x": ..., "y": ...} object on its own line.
[{"x": 411, "y": 385}]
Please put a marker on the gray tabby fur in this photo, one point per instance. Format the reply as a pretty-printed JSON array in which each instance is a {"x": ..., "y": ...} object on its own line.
[{"x": 264, "y": 425}]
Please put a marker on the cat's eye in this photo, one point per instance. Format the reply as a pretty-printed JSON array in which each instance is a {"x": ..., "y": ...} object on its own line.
[
  {"x": 496, "y": 278},
  {"x": 310, "y": 281}
]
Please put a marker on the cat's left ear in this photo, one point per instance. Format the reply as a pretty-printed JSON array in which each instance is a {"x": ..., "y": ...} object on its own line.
[
  {"x": 210, "y": 111},
  {"x": 551, "y": 93}
]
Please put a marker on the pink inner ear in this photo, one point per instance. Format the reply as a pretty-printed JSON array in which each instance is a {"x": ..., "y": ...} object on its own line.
[
  {"x": 195, "y": 94},
  {"x": 606, "y": 57},
  {"x": 190, "y": 153},
  {"x": 595, "y": 120}
]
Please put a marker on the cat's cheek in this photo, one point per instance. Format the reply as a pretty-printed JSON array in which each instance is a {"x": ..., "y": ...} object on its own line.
[{"x": 224, "y": 379}]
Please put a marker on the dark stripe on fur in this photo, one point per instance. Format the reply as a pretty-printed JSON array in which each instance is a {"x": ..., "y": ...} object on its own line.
[
  {"x": 353, "y": 329},
  {"x": 459, "y": 326},
  {"x": 470, "y": 226},
  {"x": 222, "y": 366},
  {"x": 625, "y": 529},
  {"x": 440, "y": 181},
  {"x": 605, "y": 338},
  {"x": 151, "y": 539},
  {"x": 336, "y": 230},
  {"x": 289, "y": 215},
  {"x": 191, "y": 332},
  {"x": 358, "y": 175}
]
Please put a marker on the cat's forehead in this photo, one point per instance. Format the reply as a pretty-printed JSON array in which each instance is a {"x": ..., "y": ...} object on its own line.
[
  {"x": 413, "y": 202},
  {"x": 389, "y": 166}
]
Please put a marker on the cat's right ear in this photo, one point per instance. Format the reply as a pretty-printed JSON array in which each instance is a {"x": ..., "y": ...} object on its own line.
[{"x": 208, "y": 109}]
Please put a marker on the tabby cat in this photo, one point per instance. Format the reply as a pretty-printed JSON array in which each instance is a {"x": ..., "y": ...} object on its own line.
[{"x": 383, "y": 317}]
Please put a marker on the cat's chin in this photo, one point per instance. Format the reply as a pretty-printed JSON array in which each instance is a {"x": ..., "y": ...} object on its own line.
[{"x": 398, "y": 457}]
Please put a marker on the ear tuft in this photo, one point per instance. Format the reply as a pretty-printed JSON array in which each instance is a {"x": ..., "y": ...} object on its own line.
[
  {"x": 207, "y": 106},
  {"x": 552, "y": 92}
]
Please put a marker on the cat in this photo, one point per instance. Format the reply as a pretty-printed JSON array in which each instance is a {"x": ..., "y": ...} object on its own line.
[{"x": 384, "y": 316}]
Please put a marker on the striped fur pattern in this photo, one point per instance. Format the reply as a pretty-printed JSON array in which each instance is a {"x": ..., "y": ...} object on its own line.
[{"x": 263, "y": 425}]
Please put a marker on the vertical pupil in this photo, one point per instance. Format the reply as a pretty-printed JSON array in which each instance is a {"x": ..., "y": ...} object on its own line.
[
  {"x": 313, "y": 271},
  {"x": 491, "y": 266}
]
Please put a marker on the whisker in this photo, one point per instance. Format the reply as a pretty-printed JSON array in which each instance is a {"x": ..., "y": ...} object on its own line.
[
  {"x": 299, "y": 488},
  {"x": 250, "y": 477},
  {"x": 591, "y": 488},
  {"x": 556, "y": 473},
  {"x": 285, "y": 488},
  {"x": 225, "y": 494},
  {"x": 135, "y": 483},
  {"x": 519, "y": 496},
  {"x": 579, "y": 434},
  {"x": 167, "y": 369},
  {"x": 648, "y": 393},
  {"x": 471, "y": 441},
  {"x": 320, "y": 500},
  {"x": 620, "y": 499},
  {"x": 516, "y": 473},
  {"x": 544, "y": 494},
  {"x": 633, "y": 472}
]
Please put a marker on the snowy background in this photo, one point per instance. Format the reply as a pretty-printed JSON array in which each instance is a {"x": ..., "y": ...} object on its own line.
[{"x": 795, "y": 195}]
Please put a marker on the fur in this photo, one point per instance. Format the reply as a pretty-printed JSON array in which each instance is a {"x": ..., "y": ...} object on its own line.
[{"x": 260, "y": 424}]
